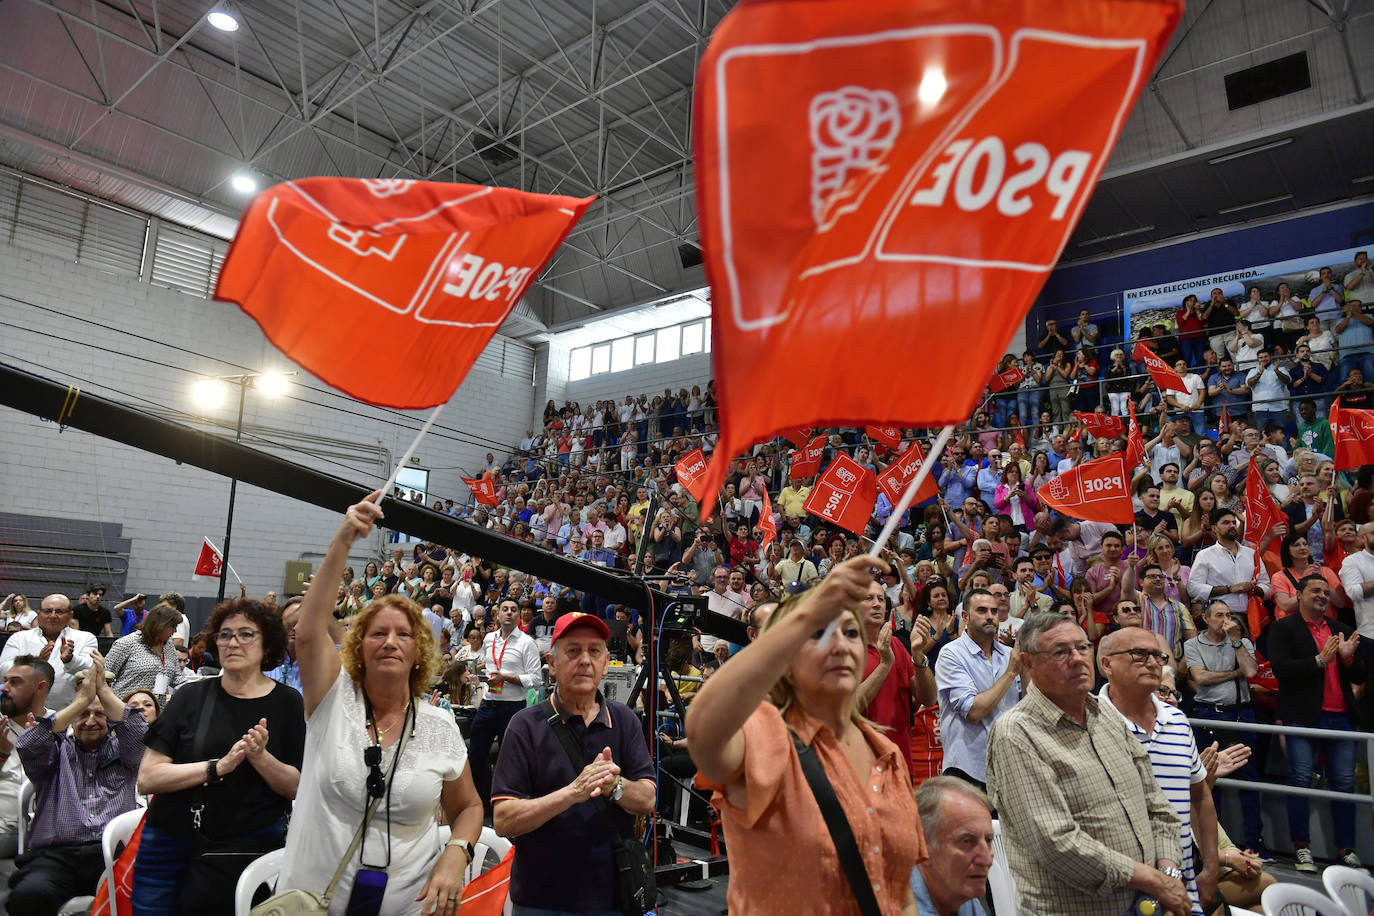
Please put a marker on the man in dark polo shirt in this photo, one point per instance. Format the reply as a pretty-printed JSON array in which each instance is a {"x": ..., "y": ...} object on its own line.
[{"x": 564, "y": 850}]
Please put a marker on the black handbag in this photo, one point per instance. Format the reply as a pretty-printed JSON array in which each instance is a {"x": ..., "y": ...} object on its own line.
[
  {"x": 636, "y": 887},
  {"x": 838, "y": 825}
]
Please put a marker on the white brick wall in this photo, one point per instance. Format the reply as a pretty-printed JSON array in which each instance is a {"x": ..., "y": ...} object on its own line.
[
  {"x": 166, "y": 509},
  {"x": 649, "y": 379}
]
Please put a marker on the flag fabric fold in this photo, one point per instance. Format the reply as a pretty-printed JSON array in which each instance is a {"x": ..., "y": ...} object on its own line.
[
  {"x": 806, "y": 461},
  {"x": 389, "y": 289},
  {"x": 483, "y": 490},
  {"x": 766, "y": 523},
  {"x": 891, "y": 436},
  {"x": 1008, "y": 378},
  {"x": 689, "y": 467},
  {"x": 1135, "y": 443},
  {"x": 209, "y": 564},
  {"x": 1100, "y": 425},
  {"x": 844, "y": 494},
  {"x": 1163, "y": 375},
  {"x": 894, "y": 478},
  {"x": 882, "y": 225},
  {"x": 1098, "y": 491},
  {"x": 1262, "y": 513},
  {"x": 1352, "y": 431}
]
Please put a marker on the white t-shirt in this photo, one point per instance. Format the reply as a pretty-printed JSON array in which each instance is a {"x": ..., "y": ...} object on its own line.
[{"x": 333, "y": 790}]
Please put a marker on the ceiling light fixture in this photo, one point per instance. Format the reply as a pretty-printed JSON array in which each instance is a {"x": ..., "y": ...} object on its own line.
[
  {"x": 1116, "y": 235},
  {"x": 223, "y": 20},
  {"x": 1259, "y": 203},
  {"x": 244, "y": 183},
  {"x": 1240, "y": 154}
]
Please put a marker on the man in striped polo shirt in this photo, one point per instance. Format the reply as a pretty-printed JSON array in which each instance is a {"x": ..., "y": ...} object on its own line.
[{"x": 1132, "y": 662}]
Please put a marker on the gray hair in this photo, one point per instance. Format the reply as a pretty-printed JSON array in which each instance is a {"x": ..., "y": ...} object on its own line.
[
  {"x": 931, "y": 794},
  {"x": 1036, "y": 625}
]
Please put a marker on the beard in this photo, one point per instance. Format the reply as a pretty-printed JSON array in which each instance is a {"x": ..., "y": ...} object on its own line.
[{"x": 9, "y": 707}]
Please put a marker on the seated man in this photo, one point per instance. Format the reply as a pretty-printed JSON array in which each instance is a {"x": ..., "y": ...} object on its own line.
[
  {"x": 957, "y": 821},
  {"x": 81, "y": 784}
]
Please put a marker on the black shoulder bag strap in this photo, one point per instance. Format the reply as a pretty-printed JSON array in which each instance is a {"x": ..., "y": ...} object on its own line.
[
  {"x": 198, "y": 749},
  {"x": 570, "y": 748},
  {"x": 838, "y": 825}
]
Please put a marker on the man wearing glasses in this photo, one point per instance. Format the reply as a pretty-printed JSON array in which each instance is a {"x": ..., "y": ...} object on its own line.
[
  {"x": 1220, "y": 659},
  {"x": 1133, "y": 665},
  {"x": 1087, "y": 825}
]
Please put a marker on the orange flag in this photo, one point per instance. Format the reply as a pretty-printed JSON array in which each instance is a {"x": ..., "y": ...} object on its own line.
[
  {"x": 766, "y": 523},
  {"x": 1098, "y": 491},
  {"x": 1101, "y": 425},
  {"x": 1010, "y": 378},
  {"x": 1262, "y": 513},
  {"x": 891, "y": 436},
  {"x": 690, "y": 466},
  {"x": 1135, "y": 443},
  {"x": 894, "y": 478},
  {"x": 483, "y": 490},
  {"x": 844, "y": 494},
  {"x": 926, "y": 162},
  {"x": 1163, "y": 375},
  {"x": 426, "y": 271},
  {"x": 1352, "y": 431},
  {"x": 806, "y": 461}
]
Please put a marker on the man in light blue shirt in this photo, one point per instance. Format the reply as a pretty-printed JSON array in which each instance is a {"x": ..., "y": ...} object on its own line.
[
  {"x": 977, "y": 680},
  {"x": 956, "y": 819}
]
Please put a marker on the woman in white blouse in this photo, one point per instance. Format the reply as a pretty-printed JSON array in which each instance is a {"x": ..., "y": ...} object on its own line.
[{"x": 146, "y": 659}]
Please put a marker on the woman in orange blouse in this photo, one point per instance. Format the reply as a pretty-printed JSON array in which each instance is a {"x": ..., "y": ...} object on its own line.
[{"x": 740, "y": 734}]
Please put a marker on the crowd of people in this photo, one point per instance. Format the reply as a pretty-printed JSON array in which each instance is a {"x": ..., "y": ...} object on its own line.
[{"x": 996, "y": 659}]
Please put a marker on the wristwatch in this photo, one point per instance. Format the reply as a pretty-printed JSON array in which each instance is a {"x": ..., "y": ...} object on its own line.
[
  {"x": 211, "y": 774},
  {"x": 1237, "y": 644},
  {"x": 619, "y": 791},
  {"x": 923, "y": 663},
  {"x": 1173, "y": 872},
  {"x": 463, "y": 845}
]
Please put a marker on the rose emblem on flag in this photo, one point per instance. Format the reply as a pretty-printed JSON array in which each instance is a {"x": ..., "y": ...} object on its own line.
[
  {"x": 387, "y": 187},
  {"x": 1058, "y": 489},
  {"x": 852, "y": 130},
  {"x": 845, "y": 476}
]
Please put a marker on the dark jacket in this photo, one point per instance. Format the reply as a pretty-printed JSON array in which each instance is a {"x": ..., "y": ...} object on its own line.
[{"x": 1293, "y": 654}]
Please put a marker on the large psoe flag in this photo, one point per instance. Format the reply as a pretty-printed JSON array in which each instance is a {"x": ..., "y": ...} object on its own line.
[{"x": 884, "y": 186}]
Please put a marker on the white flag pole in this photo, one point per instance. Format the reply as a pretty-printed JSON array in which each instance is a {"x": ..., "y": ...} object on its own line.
[
  {"x": 895, "y": 518},
  {"x": 405, "y": 459},
  {"x": 220, "y": 553}
]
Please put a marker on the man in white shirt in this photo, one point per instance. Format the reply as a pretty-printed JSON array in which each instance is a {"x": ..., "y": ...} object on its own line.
[
  {"x": 725, "y": 599},
  {"x": 1357, "y": 577},
  {"x": 513, "y": 665},
  {"x": 53, "y": 640},
  {"x": 1226, "y": 570},
  {"x": 1190, "y": 403},
  {"x": 1269, "y": 388}
]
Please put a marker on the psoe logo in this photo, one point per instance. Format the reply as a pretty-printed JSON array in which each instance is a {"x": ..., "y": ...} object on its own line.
[
  {"x": 387, "y": 187},
  {"x": 1058, "y": 489},
  {"x": 846, "y": 476}
]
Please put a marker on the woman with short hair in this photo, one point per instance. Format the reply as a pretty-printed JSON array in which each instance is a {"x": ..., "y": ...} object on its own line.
[
  {"x": 222, "y": 764},
  {"x": 146, "y": 659}
]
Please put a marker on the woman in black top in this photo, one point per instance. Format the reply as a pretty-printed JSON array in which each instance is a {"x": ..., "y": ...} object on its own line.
[{"x": 223, "y": 762}]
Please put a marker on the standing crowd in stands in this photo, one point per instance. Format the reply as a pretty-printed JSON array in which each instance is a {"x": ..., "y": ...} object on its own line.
[{"x": 998, "y": 660}]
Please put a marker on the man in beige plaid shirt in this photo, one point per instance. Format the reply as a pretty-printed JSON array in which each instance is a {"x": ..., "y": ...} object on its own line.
[{"x": 1087, "y": 828}]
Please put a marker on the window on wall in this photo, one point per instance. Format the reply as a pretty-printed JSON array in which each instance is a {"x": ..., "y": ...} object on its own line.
[{"x": 661, "y": 346}]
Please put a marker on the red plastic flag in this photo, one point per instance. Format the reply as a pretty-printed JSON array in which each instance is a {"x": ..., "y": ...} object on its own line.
[
  {"x": 1135, "y": 442},
  {"x": 1224, "y": 422},
  {"x": 799, "y": 436},
  {"x": 1352, "y": 430},
  {"x": 891, "y": 436},
  {"x": 425, "y": 271},
  {"x": 483, "y": 490},
  {"x": 1099, "y": 491},
  {"x": 894, "y": 478},
  {"x": 766, "y": 523},
  {"x": 1165, "y": 378},
  {"x": 806, "y": 461},
  {"x": 1261, "y": 511},
  {"x": 844, "y": 494},
  {"x": 689, "y": 467},
  {"x": 1010, "y": 378},
  {"x": 1102, "y": 426},
  {"x": 926, "y": 163},
  {"x": 210, "y": 563}
]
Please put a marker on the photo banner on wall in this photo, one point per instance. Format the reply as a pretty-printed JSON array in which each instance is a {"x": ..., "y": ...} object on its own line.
[{"x": 1150, "y": 305}]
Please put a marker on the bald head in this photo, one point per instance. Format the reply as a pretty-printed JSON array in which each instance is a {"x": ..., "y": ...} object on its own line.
[
  {"x": 1367, "y": 536},
  {"x": 53, "y": 615}
]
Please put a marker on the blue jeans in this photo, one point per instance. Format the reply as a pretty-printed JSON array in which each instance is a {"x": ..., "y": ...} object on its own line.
[
  {"x": 1340, "y": 777},
  {"x": 488, "y": 724},
  {"x": 1264, "y": 417},
  {"x": 1193, "y": 348},
  {"x": 1028, "y": 401},
  {"x": 1249, "y": 799}
]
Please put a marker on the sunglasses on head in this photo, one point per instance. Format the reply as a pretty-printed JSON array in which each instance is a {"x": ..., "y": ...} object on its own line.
[{"x": 376, "y": 783}]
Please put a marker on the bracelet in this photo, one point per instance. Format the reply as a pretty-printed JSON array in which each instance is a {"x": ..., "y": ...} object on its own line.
[{"x": 211, "y": 774}]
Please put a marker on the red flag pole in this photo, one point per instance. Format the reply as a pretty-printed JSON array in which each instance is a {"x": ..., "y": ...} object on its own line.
[
  {"x": 895, "y": 518},
  {"x": 396, "y": 472}
]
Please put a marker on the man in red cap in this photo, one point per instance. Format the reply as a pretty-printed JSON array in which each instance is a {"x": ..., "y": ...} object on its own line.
[{"x": 565, "y": 818}]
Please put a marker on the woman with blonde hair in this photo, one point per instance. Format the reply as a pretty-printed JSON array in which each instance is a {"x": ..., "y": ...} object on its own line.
[
  {"x": 786, "y": 707},
  {"x": 377, "y": 756}
]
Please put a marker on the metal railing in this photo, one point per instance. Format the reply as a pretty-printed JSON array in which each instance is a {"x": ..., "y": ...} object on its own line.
[{"x": 1295, "y": 731}]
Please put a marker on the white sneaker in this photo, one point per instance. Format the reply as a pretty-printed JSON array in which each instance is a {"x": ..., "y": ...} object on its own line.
[
  {"x": 1351, "y": 860},
  {"x": 1304, "y": 861}
]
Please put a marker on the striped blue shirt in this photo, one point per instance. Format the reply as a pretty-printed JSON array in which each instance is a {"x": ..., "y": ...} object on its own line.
[{"x": 1177, "y": 768}]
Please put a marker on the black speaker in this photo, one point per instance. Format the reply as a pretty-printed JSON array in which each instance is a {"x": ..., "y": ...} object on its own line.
[{"x": 1266, "y": 81}]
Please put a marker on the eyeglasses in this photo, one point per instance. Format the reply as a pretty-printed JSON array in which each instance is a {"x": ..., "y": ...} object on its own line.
[
  {"x": 1062, "y": 654},
  {"x": 1168, "y": 693},
  {"x": 1127, "y": 609},
  {"x": 372, "y": 757},
  {"x": 244, "y": 637},
  {"x": 1141, "y": 656}
]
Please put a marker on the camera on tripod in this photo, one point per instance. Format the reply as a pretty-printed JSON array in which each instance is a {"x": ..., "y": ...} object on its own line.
[{"x": 687, "y": 614}]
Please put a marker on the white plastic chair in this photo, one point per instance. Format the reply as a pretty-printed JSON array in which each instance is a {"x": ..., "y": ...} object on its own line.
[
  {"x": 1352, "y": 887},
  {"x": 262, "y": 870},
  {"x": 491, "y": 841},
  {"x": 999, "y": 856},
  {"x": 1003, "y": 888},
  {"x": 26, "y": 808},
  {"x": 117, "y": 834},
  {"x": 1299, "y": 900}
]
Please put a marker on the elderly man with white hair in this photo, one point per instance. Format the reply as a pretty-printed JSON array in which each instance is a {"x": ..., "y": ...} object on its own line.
[{"x": 956, "y": 818}]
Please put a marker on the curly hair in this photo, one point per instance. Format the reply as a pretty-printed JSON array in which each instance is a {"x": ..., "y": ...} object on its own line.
[
  {"x": 264, "y": 618},
  {"x": 426, "y": 652}
]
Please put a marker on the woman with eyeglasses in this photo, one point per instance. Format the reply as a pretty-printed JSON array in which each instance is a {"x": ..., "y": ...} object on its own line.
[
  {"x": 372, "y": 738},
  {"x": 1296, "y": 555},
  {"x": 785, "y": 700},
  {"x": 222, "y": 764}
]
